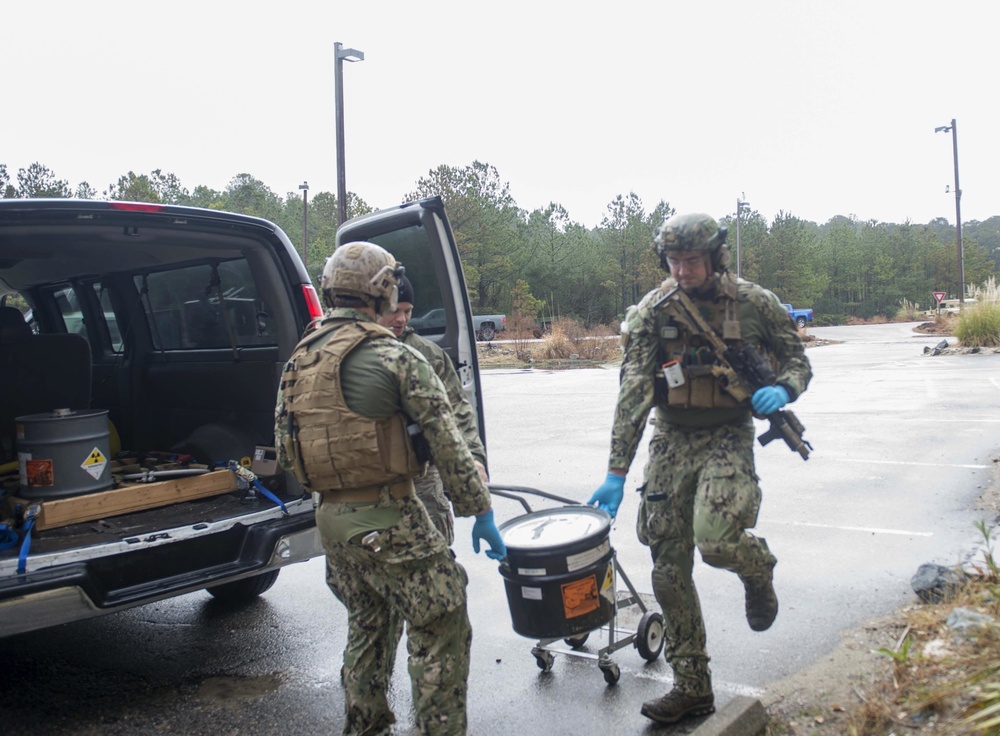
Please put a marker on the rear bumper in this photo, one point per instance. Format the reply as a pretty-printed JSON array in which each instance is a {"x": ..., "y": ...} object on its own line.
[{"x": 78, "y": 590}]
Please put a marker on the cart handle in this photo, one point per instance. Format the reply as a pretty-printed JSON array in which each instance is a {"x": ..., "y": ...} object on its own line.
[{"x": 513, "y": 491}]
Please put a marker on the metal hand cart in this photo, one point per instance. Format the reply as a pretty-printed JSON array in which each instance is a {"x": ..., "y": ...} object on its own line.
[{"x": 542, "y": 589}]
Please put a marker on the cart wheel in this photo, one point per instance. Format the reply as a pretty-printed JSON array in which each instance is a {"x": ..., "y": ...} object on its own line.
[
  {"x": 649, "y": 636},
  {"x": 577, "y": 641},
  {"x": 543, "y": 659},
  {"x": 612, "y": 673}
]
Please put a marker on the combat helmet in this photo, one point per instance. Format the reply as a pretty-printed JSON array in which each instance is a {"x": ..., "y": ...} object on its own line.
[
  {"x": 364, "y": 271},
  {"x": 692, "y": 233}
]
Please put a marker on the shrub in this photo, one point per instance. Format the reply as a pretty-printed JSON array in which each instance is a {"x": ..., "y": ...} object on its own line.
[
  {"x": 569, "y": 337},
  {"x": 908, "y": 311},
  {"x": 979, "y": 325}
]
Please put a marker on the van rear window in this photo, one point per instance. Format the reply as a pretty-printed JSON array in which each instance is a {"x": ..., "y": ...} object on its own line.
[{"x": 211, "y": 305}]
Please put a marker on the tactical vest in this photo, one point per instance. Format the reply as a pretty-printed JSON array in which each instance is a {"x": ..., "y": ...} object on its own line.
[
  {"x": 694, "y": 354},
  {"x": 335, "y": 448}
]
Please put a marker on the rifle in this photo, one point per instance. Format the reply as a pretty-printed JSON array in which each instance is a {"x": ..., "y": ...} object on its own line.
[{"x": 741, "y": 372}]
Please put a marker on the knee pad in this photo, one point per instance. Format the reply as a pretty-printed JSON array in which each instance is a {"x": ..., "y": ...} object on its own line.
[{"x": 717, "y": 553}]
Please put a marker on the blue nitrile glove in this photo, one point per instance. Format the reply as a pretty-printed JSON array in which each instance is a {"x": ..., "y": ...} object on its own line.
[
  {"x": 769, "y": 399},
  {"x": 485, "y": 528},
  {"x": 609, "y": 496}
]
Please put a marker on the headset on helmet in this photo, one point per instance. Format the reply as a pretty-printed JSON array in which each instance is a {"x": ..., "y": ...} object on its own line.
[
  {"x": 364, "y": 271},
  {"x": 694, "y": 233}
]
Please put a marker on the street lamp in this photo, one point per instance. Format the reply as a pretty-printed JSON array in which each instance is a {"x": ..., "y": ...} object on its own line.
[
  {"x": 741, "y": 204},
  {"x": 953, "y": 129},
  {"x": 341, "y": 55},
  {"x": 304, "y": 186}
]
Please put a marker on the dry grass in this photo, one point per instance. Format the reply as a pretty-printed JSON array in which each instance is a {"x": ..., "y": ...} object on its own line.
[
  {"x": 988, "y": 292},
  {"x": 934, "y": 681},
  {"x": 568, "y": 338},
  {"x": 908, "y": 311},
  {"x": 878, "y": 319},
  {"x": 567, "y": 345},
  {"x": 979, "y": 325}
]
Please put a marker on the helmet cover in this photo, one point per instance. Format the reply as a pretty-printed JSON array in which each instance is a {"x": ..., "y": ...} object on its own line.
[
  {"x": 365, "y": 271},
  {"x": 691, "y": 233}
]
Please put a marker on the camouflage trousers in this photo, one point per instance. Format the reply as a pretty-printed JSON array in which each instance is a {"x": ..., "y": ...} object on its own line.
[
  {"x": 411, "y": 572},
  {"x": 700, "y": 490},
  {"x": 430, "y": 491}
]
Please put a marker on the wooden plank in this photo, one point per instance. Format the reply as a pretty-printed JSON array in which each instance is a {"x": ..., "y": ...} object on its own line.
[{"x": 130, "y": 498}]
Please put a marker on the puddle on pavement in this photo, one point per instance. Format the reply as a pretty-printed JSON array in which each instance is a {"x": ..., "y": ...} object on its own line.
[{"x": 234, "y": 691}]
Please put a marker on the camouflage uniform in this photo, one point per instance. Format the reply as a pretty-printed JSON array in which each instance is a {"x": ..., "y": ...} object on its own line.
[
  {"x": 408, "y": 567},
  {"x": 700, "y": 487}
]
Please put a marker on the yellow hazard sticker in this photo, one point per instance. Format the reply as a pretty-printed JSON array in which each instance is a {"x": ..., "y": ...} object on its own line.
[
  {"x": 580, "y": 597},
  {"x": 95, "y": 463},
  {"x": 608, "y": 587}
]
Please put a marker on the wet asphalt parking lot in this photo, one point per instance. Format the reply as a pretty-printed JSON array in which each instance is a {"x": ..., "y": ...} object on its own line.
[{"x": 903, "y": 448}]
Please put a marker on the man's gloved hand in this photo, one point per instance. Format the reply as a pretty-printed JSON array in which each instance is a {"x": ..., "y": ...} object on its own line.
[
  {"x": 485, "y": 528},
  {"x": 609, "y": 496},
  {"x": 769, "y": 399}
]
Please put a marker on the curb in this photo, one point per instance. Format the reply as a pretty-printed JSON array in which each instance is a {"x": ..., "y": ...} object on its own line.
[{"x": 741, "y": 716}]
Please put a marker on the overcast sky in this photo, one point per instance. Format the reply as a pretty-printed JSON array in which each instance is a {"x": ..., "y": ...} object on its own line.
[{"x": 814, "y": 108}]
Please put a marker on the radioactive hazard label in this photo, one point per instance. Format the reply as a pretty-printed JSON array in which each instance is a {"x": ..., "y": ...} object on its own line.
[
  {"x": 95, "y": 463},
  {"x": 608, "y": 587},
  {"x": 580, "y": 597}
]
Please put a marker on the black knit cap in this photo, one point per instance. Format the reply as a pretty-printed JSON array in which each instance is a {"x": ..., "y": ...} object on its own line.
[{"x": 405, "y": 290}]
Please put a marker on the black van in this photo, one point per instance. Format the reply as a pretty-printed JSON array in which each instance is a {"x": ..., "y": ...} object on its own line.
[{"x": 175, "y": 322}]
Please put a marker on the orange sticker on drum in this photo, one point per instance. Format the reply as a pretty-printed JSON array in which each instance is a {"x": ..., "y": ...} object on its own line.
[
  {"x": 39, "y": 472},
  {"x": 580, "y": 597}
]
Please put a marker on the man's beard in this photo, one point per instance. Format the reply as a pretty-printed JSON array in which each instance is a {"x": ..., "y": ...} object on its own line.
[{"x": 707, "y": 290}]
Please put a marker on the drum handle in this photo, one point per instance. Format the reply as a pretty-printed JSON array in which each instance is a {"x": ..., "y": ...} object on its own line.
[{"x": 513, "y": 491}]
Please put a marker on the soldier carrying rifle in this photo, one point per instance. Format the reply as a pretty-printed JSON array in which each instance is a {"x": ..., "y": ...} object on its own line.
[{"x": 708, "y": 350}]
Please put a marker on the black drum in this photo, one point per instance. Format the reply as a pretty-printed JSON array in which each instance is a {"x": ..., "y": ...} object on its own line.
[{"x": 559, "y": 572}]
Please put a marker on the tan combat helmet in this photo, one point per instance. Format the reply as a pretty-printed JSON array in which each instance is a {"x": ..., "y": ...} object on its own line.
[{"x": 364, "y": 271}]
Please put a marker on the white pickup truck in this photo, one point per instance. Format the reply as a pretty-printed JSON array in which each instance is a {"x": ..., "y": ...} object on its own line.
[{"x": 948, "y": 306}]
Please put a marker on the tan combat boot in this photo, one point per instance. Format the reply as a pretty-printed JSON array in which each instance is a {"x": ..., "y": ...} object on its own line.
[{"x": 676, "y": 706}]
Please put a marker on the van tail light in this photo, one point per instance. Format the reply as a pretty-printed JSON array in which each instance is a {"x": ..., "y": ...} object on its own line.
[{"x": 312, "y": 302}]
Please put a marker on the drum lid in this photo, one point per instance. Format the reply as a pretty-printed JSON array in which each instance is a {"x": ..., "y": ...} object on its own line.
[{"x": 554, "y": 527}]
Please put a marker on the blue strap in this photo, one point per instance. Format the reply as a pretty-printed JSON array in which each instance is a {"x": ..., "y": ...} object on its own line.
[
  {"x": 267, "y": 494},
  {"x": 8, "y": 537},
  {"x": 29, "y": 522},
  {"x": 248, "y": 476}
]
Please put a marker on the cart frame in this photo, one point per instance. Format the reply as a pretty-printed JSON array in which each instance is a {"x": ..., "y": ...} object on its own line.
[{"x": 647, "y": 637}]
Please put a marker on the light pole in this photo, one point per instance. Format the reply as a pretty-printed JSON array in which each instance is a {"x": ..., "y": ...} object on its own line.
[
  {"x": 953, "y": 129},
  {"x": 341, "y": 55},
  {"x": 304, "y": 186},
  {"x": 741, "y": 204}
]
